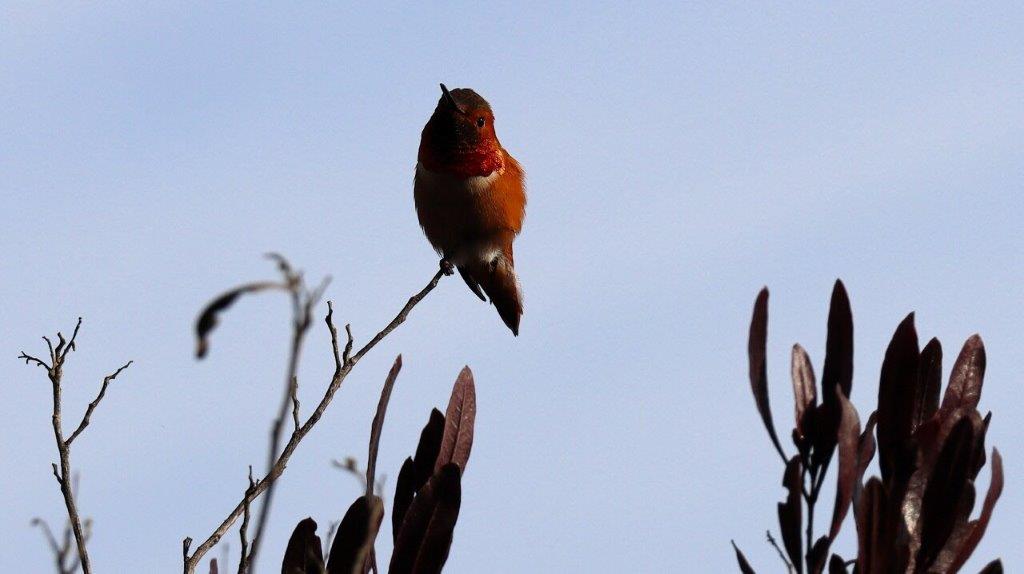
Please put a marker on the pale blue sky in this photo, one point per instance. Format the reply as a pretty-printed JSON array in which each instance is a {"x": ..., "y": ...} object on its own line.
[{"x": 679, "y": 158}]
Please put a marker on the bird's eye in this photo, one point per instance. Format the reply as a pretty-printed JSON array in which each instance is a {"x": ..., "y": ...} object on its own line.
[{"x": 480, "y": 122}]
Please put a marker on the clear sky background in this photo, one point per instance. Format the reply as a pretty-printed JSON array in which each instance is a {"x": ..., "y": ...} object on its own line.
[{"x": 679, "y": 158}]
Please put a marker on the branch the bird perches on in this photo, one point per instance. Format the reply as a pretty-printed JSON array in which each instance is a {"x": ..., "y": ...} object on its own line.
[{"x": 344, "y": 360}]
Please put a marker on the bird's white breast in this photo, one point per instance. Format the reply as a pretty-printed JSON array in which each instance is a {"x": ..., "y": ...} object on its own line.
[{"x": 475, "y": 184}]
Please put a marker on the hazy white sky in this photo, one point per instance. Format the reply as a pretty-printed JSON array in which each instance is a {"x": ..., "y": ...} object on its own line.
[{"x": 679, "y": 158}]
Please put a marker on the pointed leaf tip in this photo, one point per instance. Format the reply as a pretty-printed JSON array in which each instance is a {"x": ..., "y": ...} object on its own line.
[
  {"x": 745, "y": 567},
  {"x": 756, "y": 352},
  {"x": 457, "y": 440}
]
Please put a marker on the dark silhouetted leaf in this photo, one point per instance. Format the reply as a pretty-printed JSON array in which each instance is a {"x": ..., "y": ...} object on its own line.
[
  {"x": 304, "y": 554},
  {"x": 791, "y": 513},
  {"x": 437, "y": 541},
  {"x": 457, "y": 441},
  {"x": 405, "y": 490},
  {"x": 836, "y": 565},
  {"x": 759, "y": 366},
  {"x": 848, "y": 475},
  {"x": 995, "y": 490},
  {"x": 961, "y": 530},
  {"x": 947, "y": 479},
  {"x": 929, "y": 383},
  {"x": 865, "y": 452},
  {"x": 208, "y": 317},
  {"x": 878, "y": 549},
  {"x": 838, "y": 370},
  {"x": 818, "y": 555},
  {"x": 742, "y": 560},
  {"x": 378, "y": 424},
  {"x": 897, "y": 391},
  {"x": 355, "y": 536},
  {"x": 805, "y": 394},
  {"x": 993, "y": 567},
  {"x": 425, "y": 537},
  {"x": 428, "y": 448},
  {"x": 838, "y": 346},
  {"x": 964, "y": 389},
  {"x": 978, "y": 460},
  {"x": 213, "y": 566}
]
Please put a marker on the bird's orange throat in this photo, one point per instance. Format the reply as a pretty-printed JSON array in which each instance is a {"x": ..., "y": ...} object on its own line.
[{"x": 478, "y": 162}]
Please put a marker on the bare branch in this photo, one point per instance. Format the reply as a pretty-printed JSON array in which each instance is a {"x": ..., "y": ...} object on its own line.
[
  {"x": 92, "y": 405},
  {"x": 68, "y": 483},
  {"x": 30, "y": 359},
  {"x": 342, "y": 370}
]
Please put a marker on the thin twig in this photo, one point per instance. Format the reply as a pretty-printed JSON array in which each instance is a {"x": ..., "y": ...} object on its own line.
[
  {"x": 243, "y": 532},
  {"x": 342, "y": 369},
  {"x": 771, "y": 540},
  {"x": 92, "y": 405},
  {"x": 295, "y": 403},
  {"x": 60, "y": 552}
]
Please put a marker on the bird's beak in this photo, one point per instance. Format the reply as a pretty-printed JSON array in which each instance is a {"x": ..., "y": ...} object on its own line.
[{"x": 451, "y": 101}]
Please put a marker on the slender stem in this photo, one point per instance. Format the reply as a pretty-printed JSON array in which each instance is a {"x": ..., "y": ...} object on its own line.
[
  {"x": 64, "y": 475},
  {"x": 342, "y": 369},
  {"x": 303, "y": 302}
]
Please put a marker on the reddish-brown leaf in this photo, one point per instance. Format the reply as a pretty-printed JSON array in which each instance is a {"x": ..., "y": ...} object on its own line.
[
  {"x": 437, "y": 540},
  {"x": 356, "y": 533},
  {"x": 817, "y": 557},
  {"x": 457, "y": 441},
  {"x": 838, "y": 346},
  {"x": 791, "y": 513},
  {"x": 897, "y": 391},
  {"x": 838, "y": 371},
  {"x": 304, "y": 554},
  {"x": 805, "y": 394},
  {"x": 875, "y": 540},
  {"x": 865, "y": 452},
  {"x": 961, "y": 530},
  {"x": 929, "y": 376},
  {"x": 756, "y": 351},
  {"x": 848, "y": 475},
  {"x": 978, "y": 460},
  {"x": 995, "y": 490},
  {"x": 428, "y": 448},
  {"x": 742, "y": 560},
  {"x": 378, "y": 424},
  {"x": 435, "y": 499},
  {"x": 405, "y": 491},
  {"x": 964, "y": 389},
  {"x": 943, "y": 492}
]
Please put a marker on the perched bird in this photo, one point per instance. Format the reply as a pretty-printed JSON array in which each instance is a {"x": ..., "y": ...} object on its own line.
[{"x": 471, "y": 199}]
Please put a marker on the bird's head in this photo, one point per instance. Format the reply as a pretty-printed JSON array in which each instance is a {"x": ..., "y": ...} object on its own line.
[{"x": 459, "y": 138}]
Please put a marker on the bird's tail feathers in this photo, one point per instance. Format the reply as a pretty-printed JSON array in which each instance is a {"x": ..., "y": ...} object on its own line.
[{"x": 497, "y": 278}]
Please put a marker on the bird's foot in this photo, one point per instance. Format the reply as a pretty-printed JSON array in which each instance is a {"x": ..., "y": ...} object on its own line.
[{"x": 446, "y": 267}]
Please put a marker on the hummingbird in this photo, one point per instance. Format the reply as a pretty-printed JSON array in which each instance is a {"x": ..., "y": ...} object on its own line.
[{"x": 471, "y": 199}]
